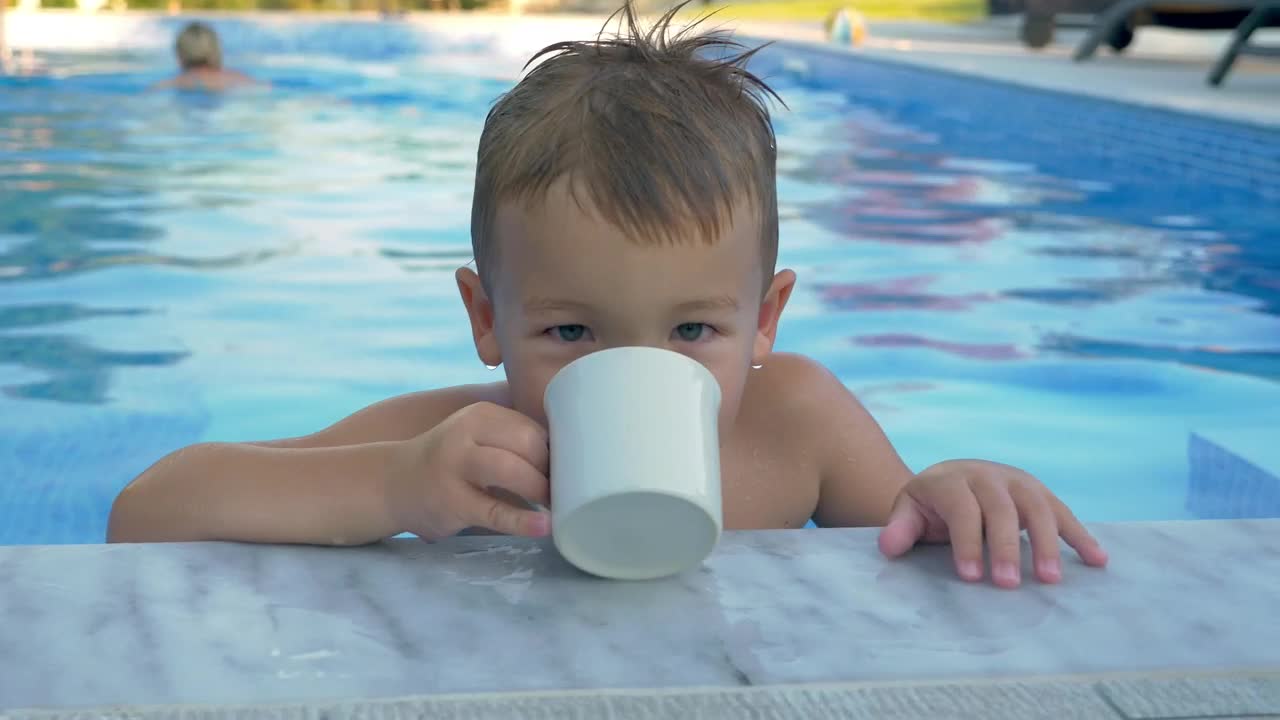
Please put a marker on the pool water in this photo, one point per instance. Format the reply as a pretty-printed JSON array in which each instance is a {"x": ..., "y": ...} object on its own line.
[{"x": 1062, "y": 284}]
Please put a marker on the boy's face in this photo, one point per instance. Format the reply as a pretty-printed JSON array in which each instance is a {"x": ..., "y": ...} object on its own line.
[{"x": 567, "y": 283}]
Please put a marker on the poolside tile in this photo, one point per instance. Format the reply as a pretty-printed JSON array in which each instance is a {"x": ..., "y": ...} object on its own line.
[
  {"x": 980, "y": 701},
  {"x": 1222, "y": 696}
]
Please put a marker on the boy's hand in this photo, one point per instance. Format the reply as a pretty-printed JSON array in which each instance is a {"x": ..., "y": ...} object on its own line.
[
  {"x": 455, "y": 475},
  {"x": 960, "y": 499}
]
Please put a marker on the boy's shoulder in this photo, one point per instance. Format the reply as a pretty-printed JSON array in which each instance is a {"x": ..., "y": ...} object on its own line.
[
  {"x": 793, "y": 382},
  {"x": 796, "y": 424},
  {"x": 793, "y": 393}
]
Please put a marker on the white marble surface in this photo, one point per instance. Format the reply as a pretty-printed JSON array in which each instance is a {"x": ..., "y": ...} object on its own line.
[{"x": 207, "y": 623}]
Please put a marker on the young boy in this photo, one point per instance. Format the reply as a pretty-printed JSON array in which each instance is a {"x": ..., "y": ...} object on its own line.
[
  {"x": 625, "y": 195},
  {"x": 200, "y": 56}
]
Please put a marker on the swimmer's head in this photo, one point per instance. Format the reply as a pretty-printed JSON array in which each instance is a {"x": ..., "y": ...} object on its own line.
[
  {"x": 625, "y": 195},
  {"x": 198, "y": 47}
]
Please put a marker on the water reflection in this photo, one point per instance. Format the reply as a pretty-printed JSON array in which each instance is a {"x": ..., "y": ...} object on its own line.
[
  {"x": 81, "y": 374},
  {"x": 1258, "y": 363},
  {"x": 987, "y": 235},
  {"x": 82, "y": 187},
  {"x": 77, "y": 372},
  {"x": 973, "y": 351},
  {"x": 907, "y": 293}
]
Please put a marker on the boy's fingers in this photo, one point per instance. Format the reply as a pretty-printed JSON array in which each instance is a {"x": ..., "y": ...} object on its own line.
[
  {"x": 956, "y": 505},
  {"x": 506, "y": 429},
  {"x": 1042, "y": 526},
  {"x": 1004, "y": 537},
  {"x": 905, "y": 527},
  {"x": 500, "y": 516},
  {"x": 1078, "y": 537},
  {"x": 489, "y": 467}
]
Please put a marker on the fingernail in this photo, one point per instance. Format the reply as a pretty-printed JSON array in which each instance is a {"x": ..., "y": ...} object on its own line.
[
  {"x": 970, "y": 570},
  {"x": 1050, "y": 569},
  {"x": 1005, "y": 572},
  {"x": 540, "y": 524}
]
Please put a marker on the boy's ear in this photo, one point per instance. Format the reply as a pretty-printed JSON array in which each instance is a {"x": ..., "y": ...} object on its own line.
[
  {"x": 775, "y": 299},
  {"x": 480, "y": 312}
]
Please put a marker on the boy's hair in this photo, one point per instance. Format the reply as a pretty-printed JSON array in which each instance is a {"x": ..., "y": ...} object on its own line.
[
  {"x": 665, "y": 132},
  {"x": 197, "y": 47}
]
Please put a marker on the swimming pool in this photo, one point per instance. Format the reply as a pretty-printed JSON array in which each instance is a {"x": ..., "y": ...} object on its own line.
[{"x": 1064, "y": 284}]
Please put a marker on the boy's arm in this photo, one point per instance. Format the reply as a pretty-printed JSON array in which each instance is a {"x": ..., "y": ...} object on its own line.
[
  {"x": 326, "y": 488},
  {"x": 860, "y": 473},
  {"x": 252, "y": 493},
  {"x": 969, "y": 503}
]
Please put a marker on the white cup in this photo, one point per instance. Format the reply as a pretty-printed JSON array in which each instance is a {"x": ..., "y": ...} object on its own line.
[{"x": 635, "y": 462}]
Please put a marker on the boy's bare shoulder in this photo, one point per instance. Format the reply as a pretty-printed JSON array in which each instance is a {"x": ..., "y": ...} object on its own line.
[
  {"x": 793, "y": 387},
  {"x": 399, "y": 418},
  {"x": 819, "y": 424},
  {"x": 782, "y": 443},
  {"x": 805, "y": 406},
  {"x": 791, "y": 399}
]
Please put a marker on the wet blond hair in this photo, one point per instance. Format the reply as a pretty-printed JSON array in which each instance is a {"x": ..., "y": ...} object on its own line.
[
  {"x": 664, "y": 132},
  {"x": 197, "y": 46}
]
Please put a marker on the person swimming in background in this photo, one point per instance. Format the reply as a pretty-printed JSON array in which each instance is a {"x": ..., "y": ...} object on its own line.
[{"x": 200, "y": 55}]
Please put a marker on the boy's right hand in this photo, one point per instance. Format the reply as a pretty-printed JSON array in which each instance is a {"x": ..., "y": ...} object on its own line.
[{"x": 451, "y": 477}]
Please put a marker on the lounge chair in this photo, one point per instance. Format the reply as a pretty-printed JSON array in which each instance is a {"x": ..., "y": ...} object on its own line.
[
  {"x": 1115, "y": 25},
  {"x": 1265, "y": 15}
]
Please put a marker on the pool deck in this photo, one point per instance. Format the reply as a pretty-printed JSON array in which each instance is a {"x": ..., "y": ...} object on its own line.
[
  {"x": 791, "y": 623},
  {"x": 1163, "y": 68}
]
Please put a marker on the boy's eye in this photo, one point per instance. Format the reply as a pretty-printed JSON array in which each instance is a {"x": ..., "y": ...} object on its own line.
[
  {"x": 689, "y": 332},
  {"x": 570, "y": 333}
]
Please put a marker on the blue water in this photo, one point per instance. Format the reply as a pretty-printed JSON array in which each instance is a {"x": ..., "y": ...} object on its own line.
[{"x": 1067, "y": 285}]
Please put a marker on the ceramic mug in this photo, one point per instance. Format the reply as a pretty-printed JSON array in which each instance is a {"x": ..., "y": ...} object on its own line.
[{"x": 635, "y": 462}]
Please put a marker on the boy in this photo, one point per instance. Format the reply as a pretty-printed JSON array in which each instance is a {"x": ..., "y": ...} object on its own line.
[
  {"x": 625, "y": 195},
  {"x": 200, "y": 56}
]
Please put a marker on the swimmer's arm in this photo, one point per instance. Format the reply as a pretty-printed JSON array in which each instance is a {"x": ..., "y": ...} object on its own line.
[
  {"x": 323, "y": 489},
  {"x": 860, "y": 472}
]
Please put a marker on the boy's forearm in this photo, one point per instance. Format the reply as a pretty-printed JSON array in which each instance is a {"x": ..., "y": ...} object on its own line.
[{"x": 322, "y": 496}]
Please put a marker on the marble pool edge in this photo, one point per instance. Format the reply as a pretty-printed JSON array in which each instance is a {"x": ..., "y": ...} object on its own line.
[{"x": 1125, "y": 696}]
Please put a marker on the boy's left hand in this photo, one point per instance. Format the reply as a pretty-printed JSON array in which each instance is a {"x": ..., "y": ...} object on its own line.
[{"x": 958, "y": 500}]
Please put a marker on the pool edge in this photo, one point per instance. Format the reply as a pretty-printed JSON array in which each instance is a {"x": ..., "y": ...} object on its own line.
[{"x": 1208, "y": 694}]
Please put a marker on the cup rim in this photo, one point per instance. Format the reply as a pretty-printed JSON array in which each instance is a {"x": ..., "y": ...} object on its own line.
[{"x": 633, "y": 350}]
